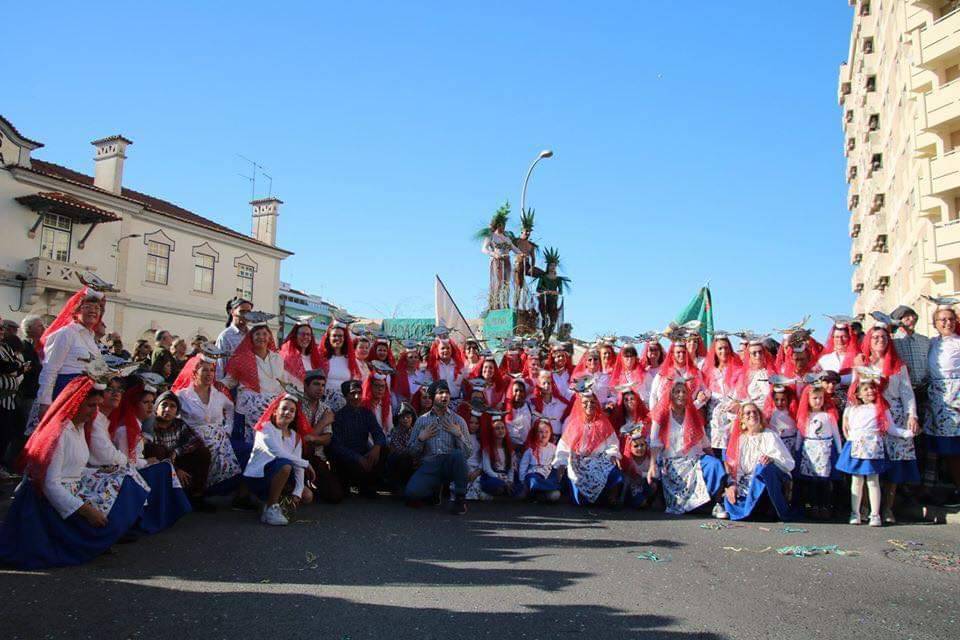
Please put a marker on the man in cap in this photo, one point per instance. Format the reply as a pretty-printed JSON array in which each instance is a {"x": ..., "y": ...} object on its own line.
[
  {"x": 230, "y": 338},
  {"x": 442, "y": 442},
  {"x": 914, "y": 350},
  {"x": 358, "y": 446}
]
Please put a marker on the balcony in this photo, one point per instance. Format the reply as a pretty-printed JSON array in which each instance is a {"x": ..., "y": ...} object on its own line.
[
  {"x": 44, "y": 274},
  {"x": 943, "y": 106},
  {"x": 940, "y": 42},
  {"x": 945, "y": 173},
  {"x": 946, "y": 242}
]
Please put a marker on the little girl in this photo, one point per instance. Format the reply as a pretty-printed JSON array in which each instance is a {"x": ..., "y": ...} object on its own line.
[
  {"x": 781, "y": 409},
  {"x": 635, "y": 465},
  {"x": 866, "y": 421},
  {"x": 540, "y": 480},
  {"x": 820, "y": 446},
  {"x": 475, "y": 420},
  {"x": 497, "y": 459}
]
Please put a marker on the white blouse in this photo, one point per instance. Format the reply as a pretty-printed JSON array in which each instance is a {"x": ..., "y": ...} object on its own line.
[
  {"x": 540, "y": 464},
  {"x": 448, "y": 372},
  {"x": 338, "y": 372},
  {"x": 899, "y": 388},
  {"x": 758, "y": 387},
  {"x": 944, "y": 358},
  {"x": 646, "y": 384},
  {"x": 270, "y": 444},
  {"x": 271, "y": 373},
  {"x": 609, "y": 447},
  {"x": 554, "y": 410},
  {"x": 833, "y": 362},
  {"x": 61, "y": 355},
  {"x": 67, "y": 464},
  {"x": 674, "y": 448},
  {"x": 562, "y": 380},
  {"x": 657, "y": 390},
  {"x": 783, "y": 423},
  {"x": 519, "y": 426},
  {"x": 103, "y": 453},
  {"x": 861, "y": 421},
  {"x": 766, "y": 443},
  {"x": 120, "y": 442},
  {"x": 822, "y": 425},
  {"x": 218, "y": 411}
]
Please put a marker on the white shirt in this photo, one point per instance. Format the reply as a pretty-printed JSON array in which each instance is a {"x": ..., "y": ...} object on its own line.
[
  {"x": 218, "y": 411},
  {"x": 66, "y": 465},
  {"x": 861, "y": 421},
  {"x": 338, "y": 372},
  {"x": 783, "y": 424},
  {"x": 519, "y": 426},
  {"x": 646, "y": 385},
  {"x": 307, "y": 363},
  {"x": 120, "y": 442},
  {"x": 496, "y": 468},
  {"x": 944, "y": 358},
  {"x": 61, "y": 356},
  {"x": 540, "y": 464},
  {"x": 822, "y": 424},
  {"x": 555, "y": 410},
  {"x": 900, "y": 388},
  {"x": 103, "y": 453},
  {"x": 609, "y": 447},
  {"x": 758, "y": 387},
  {"x": 270, "y": 444},
  {"x": 674, "y": 448},
  {"x": 562, "y": 380},
  {"x": 833, "y": 362},
  {"x": 766, "y": 443},
  {"x": 228, "y": 341},
  {"x": 448, "y": 372}
]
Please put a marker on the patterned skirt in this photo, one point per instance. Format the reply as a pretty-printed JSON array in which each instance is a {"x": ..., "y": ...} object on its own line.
[
  {"x": 942, "y": 418},
  {"x": 689, "y": 481},
  {"x": 224, "y": 464},
  {"x": 251, "y": 405},
  {"x": 589, "y": 476},
  {"x": 901, "y": 453}
]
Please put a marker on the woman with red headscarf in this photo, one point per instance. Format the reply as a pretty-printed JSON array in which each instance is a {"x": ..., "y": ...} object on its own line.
[
  {"x": 67, "y": 343},
  {"x": 589, "y": 450},
  {"x": 258, "y": 372},
  {"x": 696, "y": 348},
  {"x": 277, "y": 467},
  {"x": 635, "y": 465},
  {"x": 630, "y": 409},
  {"x": 679, "y": 362},
  {"x": 591, "y": 365},
  {"x": 340, "y": 362},
  {"x": 561, "y": 366},
  {"x": 877, "y": 351},
  {"x": 840, "y": 352},
  {"x": 651, "y": 359},
  {"x": 300, "y": 351},
  {"x": 409, "y": 377},
  {"x": 866, "y": 421},
  {"x": 690, "y": 478},
  {"x": 721, "y": 372},
  {"x": 375, "y": 397},
  {"x": 66, "y": 513},
  {"x": 754, "y": 383},
  {"x": 758, "y": 464}
]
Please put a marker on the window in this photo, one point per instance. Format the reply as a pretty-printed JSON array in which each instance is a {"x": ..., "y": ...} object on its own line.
[
  {"x": 55, "y": 240},
  {"x": 245, "y": 286},
  {"x": 158, "y": 262},
  {"x": 203, "y": 273},
  {"x": 871, "y": 83},
  {"x": 865, "y": 9}
]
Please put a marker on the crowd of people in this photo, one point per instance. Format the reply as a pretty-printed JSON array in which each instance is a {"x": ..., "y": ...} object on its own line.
[{"x": 112, "y": 446}]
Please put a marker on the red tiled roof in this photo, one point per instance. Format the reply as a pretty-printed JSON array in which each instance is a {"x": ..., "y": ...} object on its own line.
[
  {"x": 67, "y": 205},
  {"x": 153, "y": 204},
  {"x": 25, "y": 138}
]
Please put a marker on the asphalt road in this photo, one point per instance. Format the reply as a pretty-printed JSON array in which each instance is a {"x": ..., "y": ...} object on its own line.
[{"x": 368, "y": 569}]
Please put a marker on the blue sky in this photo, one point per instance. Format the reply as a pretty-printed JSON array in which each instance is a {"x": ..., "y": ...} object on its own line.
[{"x": 693, "y": 141}]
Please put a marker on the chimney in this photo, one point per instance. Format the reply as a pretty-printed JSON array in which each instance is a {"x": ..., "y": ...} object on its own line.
[
  {"x": 108, "y": 163},
  {"x": 265, "y": 212}
]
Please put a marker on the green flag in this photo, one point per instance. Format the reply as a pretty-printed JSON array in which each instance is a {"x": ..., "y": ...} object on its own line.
[{"x": 700, "y": 308}]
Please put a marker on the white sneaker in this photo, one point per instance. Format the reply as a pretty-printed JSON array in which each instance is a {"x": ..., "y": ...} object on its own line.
[
  {"x": 274, "y": 515},
  {"x": 719, "y": 512},
  {"x": 875, "y": 521},
  {"x": 855, "y": 518}
]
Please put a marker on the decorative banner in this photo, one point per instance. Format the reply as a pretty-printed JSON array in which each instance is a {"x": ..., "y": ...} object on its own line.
[
  {"x": 409, "y": 328},
  {"x": 499, "y": 324},
  {"x": 448, "y": 314},
  {"x": 700, "y": 308}
]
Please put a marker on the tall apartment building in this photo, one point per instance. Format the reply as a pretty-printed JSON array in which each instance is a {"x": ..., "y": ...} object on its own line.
[{"x": 900, "y": 95}]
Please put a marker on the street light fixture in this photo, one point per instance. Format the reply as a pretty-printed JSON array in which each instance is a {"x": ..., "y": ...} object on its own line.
[
  {"x": 116, "y": 248},
  {"x": 546, "y": 153}
]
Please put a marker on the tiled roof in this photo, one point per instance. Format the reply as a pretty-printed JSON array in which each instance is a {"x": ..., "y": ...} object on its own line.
[
  {"x": 149, "y": 202},
  {"x": 67, "y": 205}
]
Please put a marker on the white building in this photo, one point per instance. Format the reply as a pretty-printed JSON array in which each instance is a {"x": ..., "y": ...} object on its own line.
[{"x": 174, "y": 268}]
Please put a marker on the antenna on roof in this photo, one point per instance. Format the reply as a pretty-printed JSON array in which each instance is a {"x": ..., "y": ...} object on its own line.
[
  {"x": 270, "y": 186},
  {"x": 254, "y": 167}
]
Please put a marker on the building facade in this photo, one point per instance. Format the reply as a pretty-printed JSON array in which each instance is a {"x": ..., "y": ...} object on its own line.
[
  {"x": 174, "y": 268},
  {"x": 900, "y": 97},
  {"x": 293, "y": 303}
]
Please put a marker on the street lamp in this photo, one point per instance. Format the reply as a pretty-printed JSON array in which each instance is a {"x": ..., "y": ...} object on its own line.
[
  {"x": 546, "y": 153},
  {"x": 116, "y": 248}
]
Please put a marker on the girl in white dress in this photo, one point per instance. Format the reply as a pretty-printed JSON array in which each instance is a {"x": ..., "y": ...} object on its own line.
[
  {"x": 540, "y": 480},
  {"x": 820, "y": 446}
]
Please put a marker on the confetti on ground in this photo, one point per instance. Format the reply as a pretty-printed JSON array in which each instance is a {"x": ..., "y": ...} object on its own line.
[
  {"x": 304, "y": 521},
  {"x": 803, "y": 551},
  {"x": 653, "y": 557},
  {"x": 746, "y": 550},
  {"x": 717, "y": 525},
  {"x": 265, "y": 581},
  {"x": 903, "y": 545},
  {"x": 943, "y": 561},
  {"x": 793, "y": 530},
  {"x": 767, "y": 529}
]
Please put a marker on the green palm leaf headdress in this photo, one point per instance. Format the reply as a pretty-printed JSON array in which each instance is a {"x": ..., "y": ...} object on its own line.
[
  {"x": 499, "y": 219},
  {"x": 527, "y": 220}
]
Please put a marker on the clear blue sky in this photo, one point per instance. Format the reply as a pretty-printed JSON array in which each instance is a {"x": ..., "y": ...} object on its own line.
[{"x": 692, "y": 140}]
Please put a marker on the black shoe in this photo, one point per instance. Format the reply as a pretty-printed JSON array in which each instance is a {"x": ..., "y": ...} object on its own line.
[
  {"x": 458, "y": 507},
  {"x": 200, "y": 505},
  {"x": 952, "y": 500},
  {"x": 244, "y": 503}
]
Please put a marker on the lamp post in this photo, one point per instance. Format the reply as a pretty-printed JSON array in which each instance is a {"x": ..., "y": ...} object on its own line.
[
  {"x": 116, "y": 248},
  {"x": 546, "y": 153}
]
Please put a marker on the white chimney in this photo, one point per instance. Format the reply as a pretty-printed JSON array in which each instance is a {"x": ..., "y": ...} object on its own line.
[
  {"x": 265, "y": 213},
  {"x": 108, "y": 163}
]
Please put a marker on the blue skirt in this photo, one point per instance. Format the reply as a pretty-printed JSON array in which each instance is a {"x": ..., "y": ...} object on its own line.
[
  {"x": 713, "y": 473},
  {"x": 493, "y": 486},
  {"x": 166, "y": 503},
  {"x": 260, "y": 487},
  {"x": 62, "y": 380},
  {"x": 34, "y": 536},
  {"x": 858, "y": 467},
  {"x": 901, "y": 472},
  {"x": 944, "y": 445},
  {"x": 614, "y": 478},
  {"x": 767, "y": 480},
  {"x": 537, "y": 483}
]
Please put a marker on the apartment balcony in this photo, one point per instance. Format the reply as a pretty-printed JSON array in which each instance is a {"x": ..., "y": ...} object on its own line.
[
  {"x": 856, "y": 280},
  {"x": 44, "y": 274},
  {"x": 844, "y": 86},
  {"x": 945, "y": 173},
  {"x": 946, "y": 242},
  {"x": 943, "y": 106},
  {"x": 940, "y": 42}
]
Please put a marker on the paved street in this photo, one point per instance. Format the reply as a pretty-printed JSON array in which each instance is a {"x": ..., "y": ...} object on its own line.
[{"x": 365, "y": 570}]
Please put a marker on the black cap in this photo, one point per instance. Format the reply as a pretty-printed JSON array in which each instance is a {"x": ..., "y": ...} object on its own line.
[
  {"x": 314, "y": 374},
  {"x": 831, "y": 376},
  {"x": 435, "y": 387},
  {"x": 903, "y": 310},
  {"x": 349, "y": 386}
]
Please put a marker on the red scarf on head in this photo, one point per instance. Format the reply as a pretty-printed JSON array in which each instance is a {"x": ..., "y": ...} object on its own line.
[
  {"x": 803, "y": 412},
  {"x": 669, "y": 367},
  {"x": 185, "y": 377},
  {"x": 125, "y": 415},
  {"x": 400, "y": 380},
  {"x": 621, "y": 416},
  {"x": 300, "y": 425},
  {"x": 366, "y": 399},
  {"x": 512, "y": 362},
  {"x": 456, "y": 356},
  {"x": 849, "y": 355},
  {"x": 889, "y": 362},
  {"x": 326, "y": 351},
  {"x": 68, "y": 314},
  {"x": 37, "y": 453},
  {"x": 508, "y": 405},
  {"x": 533, "y": 440},
  {"x": 293, "y": 357},
  {"x": 693, "y": 423},
  {"x": 242, "y": 365},
  {"x": 646, "y": 350},
  {"x": 489, "y": 445},
  {"x": 733, "y": 446},
  {"x": 881, "y": 403},
  {"x": 746, "y": 373},
  {"x": 730, "y": 372},
  {"x": 769, "y": 406},
  {"x": 584, "y": 436}
]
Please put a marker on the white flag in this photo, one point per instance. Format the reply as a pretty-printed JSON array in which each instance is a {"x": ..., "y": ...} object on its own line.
[{"x": 448, "y": 314}]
